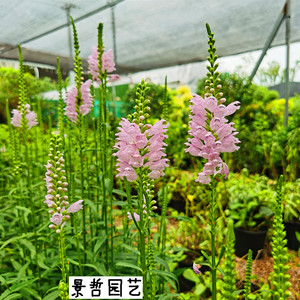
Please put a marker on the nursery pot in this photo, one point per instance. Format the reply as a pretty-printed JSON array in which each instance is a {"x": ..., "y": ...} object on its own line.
[
  {"x": 245, "y": 240},
  {"x": 291, "y": 228}
]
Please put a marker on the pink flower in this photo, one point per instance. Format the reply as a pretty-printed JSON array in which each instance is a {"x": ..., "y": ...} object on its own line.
[
  {"x": 113, "y": 77},
  {"x": 75, "y": 207},
  {"x": 196, "y": 268},
  {"x": 136, "y": 216},
  {"x": 107, "y": 64},
  {"x": 87, "y": 101},
  {"x": 211, "y": 135},
  {"x": 30, "y": 116},
  {"x": 56, "y": 219},
  {"x": 49, "y": 201}
]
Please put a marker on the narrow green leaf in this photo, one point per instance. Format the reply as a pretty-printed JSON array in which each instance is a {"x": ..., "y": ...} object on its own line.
[
  {"x": 221, "y": 254},
  {"x": 99, "y": 244},
  {"x": 128, "y": 265},
  {"x": 52, "y": 296},
  {"x": 206, "y": 256}
]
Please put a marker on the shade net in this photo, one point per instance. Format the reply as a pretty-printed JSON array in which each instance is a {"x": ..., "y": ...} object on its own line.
[{"x": 149, "y": 34}]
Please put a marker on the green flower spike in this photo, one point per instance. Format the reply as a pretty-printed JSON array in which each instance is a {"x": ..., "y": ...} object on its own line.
[
  {"x": 247, "y": 285},
  {"x": 230, "y": 273},
  {"x": 279, "y": 278}
]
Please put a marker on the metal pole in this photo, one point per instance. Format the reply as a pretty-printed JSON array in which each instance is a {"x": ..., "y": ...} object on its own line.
[
  {"x": 113, "y": 23},
  {"x": 268, "y": 42},
  {"x": 287, "y": 41},
  {"x": 67, "y": 8}
]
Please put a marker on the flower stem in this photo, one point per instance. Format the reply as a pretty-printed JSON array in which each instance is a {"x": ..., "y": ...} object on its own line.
[
  {"x": 142, "y": 238},
  {"x": 63, "y": 286},
  {"x": 213, "y": 207}
]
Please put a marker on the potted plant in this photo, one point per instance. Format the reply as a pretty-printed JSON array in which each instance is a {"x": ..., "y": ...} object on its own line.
[
  {"x": 250, "y": 209},
  {"x": 291, "y": 206}
]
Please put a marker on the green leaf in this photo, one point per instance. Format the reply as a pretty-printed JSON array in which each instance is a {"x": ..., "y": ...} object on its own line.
[
  {"x": 189, "y": 274},
  {"x": 3, "y": 281},
  {"x": 16, "y": 238},
  {"x": 22, "y": 270},
  {"x": 99, "y": 244},
  {"x": 92, "y": 205},
  {"x": 170, "y": 296},
  {"x": 31, "y": 292},
  {"x": 162, "y": 262},
  {"x": 164, "y": 273},
  {"x": 30, "y": 247},
  {"x": 99, "y": 268},
  {"x": 13, "y": 296},
  {"x": 52, "y": 296},
  {"x": 15, "y": 288},
  {"x": 206, "y": 256},
  {"x": 200, "y": 289},
  {"x": 40, "y": 261},
  {"x": 221, "y": 271},
  {"x": 119, "y": 192},
  {"x": 128, "y": 265},
  {"x": 131, "y": 249},
  {"x": 221, "y": 254}
]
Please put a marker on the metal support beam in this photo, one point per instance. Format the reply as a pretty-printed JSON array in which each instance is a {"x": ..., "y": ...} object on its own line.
[
  {"x": 85, "y": 16},
  {"x": 113, "y": 25},
  {"x": 287, "y": 70},
  {"x": 67, "y": 8},
  {"x": 268, "y": 42}
]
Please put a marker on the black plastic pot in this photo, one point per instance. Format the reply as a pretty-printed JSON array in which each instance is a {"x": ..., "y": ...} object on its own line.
[
  {"x": 245, "y": 240},
  {"x": 291, "y": 228}
]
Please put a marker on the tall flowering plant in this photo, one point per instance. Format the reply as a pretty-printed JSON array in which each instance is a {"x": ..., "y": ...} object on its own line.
[
  {"x": 101, "y": 65},
  {"x": 23, "y": 117},
  {"x": 57, "y": 201},
  {"x": 211, "y": 135},
  {"x": 140, "y": 159}
]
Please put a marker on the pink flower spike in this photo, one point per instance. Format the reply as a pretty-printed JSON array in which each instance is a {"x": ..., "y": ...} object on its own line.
[
  {"x": 93, "y": 64},
  {"x": 211, "y": 135},
  {"x": 108, "y": 63},
  {"x": 16, "y": 118},
  {"x": 86, "y": 98},
  {"x": 75, "y": 207},
  {"x": 71, "y": 105},
  {"x": 31, "y": 119}
]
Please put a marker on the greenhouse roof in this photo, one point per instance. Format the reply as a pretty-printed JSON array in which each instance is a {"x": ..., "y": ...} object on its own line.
[{"x": 149, "y": 34}]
